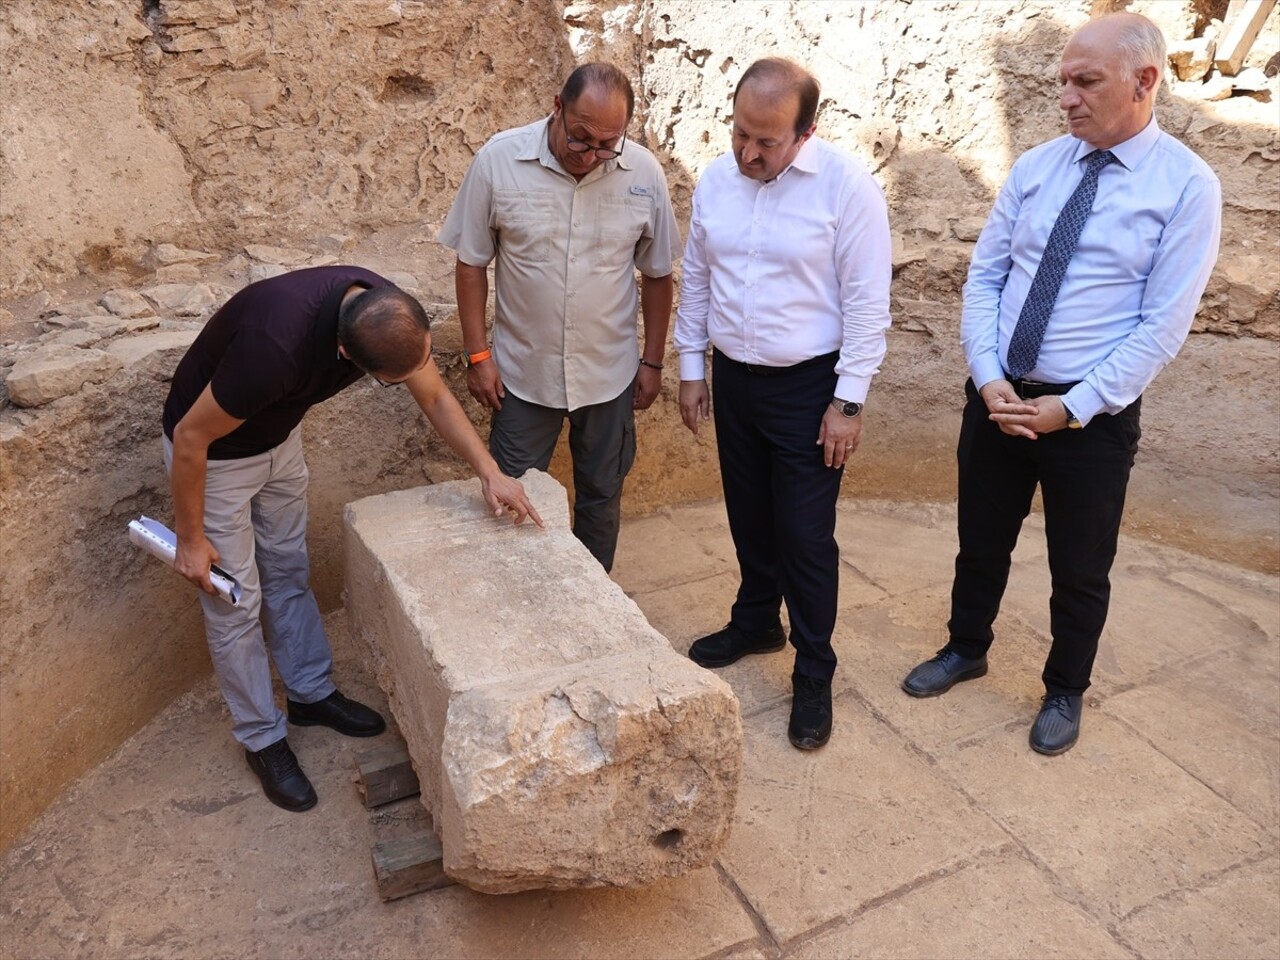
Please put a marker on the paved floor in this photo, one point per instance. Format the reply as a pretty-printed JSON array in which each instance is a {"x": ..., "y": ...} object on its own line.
[{"x": 924, "y": 829}]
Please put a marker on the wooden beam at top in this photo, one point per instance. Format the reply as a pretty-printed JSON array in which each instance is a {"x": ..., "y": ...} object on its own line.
[{"x": 1241, "y": 30}]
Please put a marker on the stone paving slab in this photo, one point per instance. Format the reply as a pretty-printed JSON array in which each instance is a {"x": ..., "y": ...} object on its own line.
[
  {"x": 821, "y": 834},
  {"x": 1000, "y": 906},
  {"x": 941, "y": 833},
  {"x": 1114, "y": 818},
  {"x": 884, "y": 649},
  {"x": 1218, "y": 719},
  {"x": 1236, "y": 915}
]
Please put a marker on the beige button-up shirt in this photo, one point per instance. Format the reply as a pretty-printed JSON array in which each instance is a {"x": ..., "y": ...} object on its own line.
[{"x": 564, "y": 332}]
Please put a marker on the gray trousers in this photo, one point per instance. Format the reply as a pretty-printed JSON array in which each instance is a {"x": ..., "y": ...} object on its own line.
[
  {"x": 602, "y": 442},
  {"x": 255, "y": 514}
]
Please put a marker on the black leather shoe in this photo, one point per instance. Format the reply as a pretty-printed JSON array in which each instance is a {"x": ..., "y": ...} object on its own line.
[
  {"x": 947, "y": 668},
  {"x": 810, "y": 725},
  {"x": 730, "y": 645},
  {"x": 1057, "y": 726},
  {"x": 283, "y": 781},
  {"x": 336, "y": 711}
]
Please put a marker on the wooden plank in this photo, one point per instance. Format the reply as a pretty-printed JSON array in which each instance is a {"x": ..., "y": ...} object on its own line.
[
  {"x": 1241, "y": 30},
  {"x": 408, "y": 865},
  {"x": 385, "y": 774}
]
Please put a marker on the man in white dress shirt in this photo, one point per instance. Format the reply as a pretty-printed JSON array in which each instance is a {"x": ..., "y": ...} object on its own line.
[
  {"x": 786, "y": 276},
  {"x": 1058, "y": 365}
]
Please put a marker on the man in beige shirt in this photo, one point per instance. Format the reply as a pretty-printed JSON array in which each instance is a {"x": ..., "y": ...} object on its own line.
[{"x": 570, "y": 209}]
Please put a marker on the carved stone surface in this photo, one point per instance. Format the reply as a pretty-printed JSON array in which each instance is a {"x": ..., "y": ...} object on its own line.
[{"x": 558, "y": 738}]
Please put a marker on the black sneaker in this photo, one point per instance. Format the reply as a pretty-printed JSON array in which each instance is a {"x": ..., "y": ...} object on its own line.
[
  {"x": 283, "y": 781},
  {"x": 730, "y": 645},
  {"x": 810, "y": 725},
  {"x": 337, "y": 712}
]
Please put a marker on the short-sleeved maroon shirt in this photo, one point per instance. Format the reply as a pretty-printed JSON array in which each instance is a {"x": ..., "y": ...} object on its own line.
[{"x": 269, "y": 354}]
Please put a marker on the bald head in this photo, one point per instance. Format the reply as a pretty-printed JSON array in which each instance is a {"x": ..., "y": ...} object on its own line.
[
  {"x": 780, "y": 81},
  {"x": 1132, "y": 37},
  {"x": 1111, "y": 68}
]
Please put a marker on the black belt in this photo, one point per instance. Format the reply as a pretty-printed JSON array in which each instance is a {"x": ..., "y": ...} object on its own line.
[
  {"x": 1030, "y": 389},
  {"x": 757, "y": 370}
]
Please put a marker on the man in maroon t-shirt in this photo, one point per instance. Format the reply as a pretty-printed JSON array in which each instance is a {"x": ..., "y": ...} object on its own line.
[{"x": 233, "y": 449}]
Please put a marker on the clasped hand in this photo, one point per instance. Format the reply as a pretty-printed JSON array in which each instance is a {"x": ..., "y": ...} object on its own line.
[{"x": 1022, "y": 418}]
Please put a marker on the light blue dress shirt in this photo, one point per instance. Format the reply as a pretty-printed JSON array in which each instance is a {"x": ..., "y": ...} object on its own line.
[{"x": 1132, "y": 287}]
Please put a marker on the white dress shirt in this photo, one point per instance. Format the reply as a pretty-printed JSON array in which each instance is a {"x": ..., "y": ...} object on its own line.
[
  {"x": 778, "y": 273},
  {"x": 564, "y": 331},
  {"x": 1131, "y": 289}
]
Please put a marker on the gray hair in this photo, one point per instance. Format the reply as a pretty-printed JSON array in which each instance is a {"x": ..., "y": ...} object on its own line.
[{"x": 1139, "y": 44}]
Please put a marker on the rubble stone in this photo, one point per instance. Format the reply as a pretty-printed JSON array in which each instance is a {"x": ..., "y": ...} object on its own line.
[
  {"x": 558, "y": 738},
  {"x": 81, "y": 337},
  {"x": 264, "y": 253},
  {"x": 56, "y": 371},
  {"x": 169, "y": 344},
  {"x": 166, "y": 254},
  {"x": 968, "y": 228},
  {"x": 126, "y": 303},
  {"x": 1192, "y": 59},
  {"x": 265, "y": 271},
  {"x": 182, "y": 299}
]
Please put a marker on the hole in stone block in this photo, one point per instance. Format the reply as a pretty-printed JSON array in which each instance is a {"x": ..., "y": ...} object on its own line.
[{"x": 668, "y": 839}]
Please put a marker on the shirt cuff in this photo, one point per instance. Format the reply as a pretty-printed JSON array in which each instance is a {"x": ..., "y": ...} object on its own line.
[
  {"x": 984, "y": 370},
  {"x": 693, "y": 366},
  {"x": 1084, "y": 402},
  {"x": 853, "y": 388}
]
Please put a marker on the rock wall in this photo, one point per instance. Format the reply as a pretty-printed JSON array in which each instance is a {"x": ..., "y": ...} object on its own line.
[{"x": 157, "y": 154}]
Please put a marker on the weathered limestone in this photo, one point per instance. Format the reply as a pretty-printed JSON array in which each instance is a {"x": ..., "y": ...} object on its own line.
[
  {"x": 57, "y": 370},
  {"x": 165, "y": 348},
  {"x": 182, "y": 299},
  {"x": 558, "y": 738},
  {"x": 1192, "y": 59}
]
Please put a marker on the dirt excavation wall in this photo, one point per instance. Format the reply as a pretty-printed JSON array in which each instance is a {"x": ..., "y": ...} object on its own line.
[{"x": 158, "y": 154}]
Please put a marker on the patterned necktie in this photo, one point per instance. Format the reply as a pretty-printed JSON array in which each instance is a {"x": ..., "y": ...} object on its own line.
[{"x": 1028, "y": 334}]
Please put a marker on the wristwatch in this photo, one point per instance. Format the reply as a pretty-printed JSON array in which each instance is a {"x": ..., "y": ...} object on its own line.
[
  {"x": 1072, "y": 422},
  {"x": 847, "y": 407}
]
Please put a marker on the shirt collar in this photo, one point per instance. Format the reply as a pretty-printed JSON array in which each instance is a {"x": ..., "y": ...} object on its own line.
[
  {"x": 538, "y": 148},
  {"x": 1131, "y": 152},
  {"x": 325, "y": 342},
  {"x": 805, "y": 160}
]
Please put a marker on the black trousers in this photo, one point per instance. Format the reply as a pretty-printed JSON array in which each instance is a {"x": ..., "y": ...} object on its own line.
[
  {"x": 781, "y": 500},
  {"x": 1083, "y": 475}
]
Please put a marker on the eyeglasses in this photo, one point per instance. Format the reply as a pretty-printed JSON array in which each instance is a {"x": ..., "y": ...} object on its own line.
[
  {"x": 581, "y": 146},
  {"x": 395, "y": 383}
]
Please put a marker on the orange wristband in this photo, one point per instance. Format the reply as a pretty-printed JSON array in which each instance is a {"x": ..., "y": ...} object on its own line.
[{"x": 481, "y": 357}]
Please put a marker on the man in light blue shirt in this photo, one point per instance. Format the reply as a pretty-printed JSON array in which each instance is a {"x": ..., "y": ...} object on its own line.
[{"x": 1083, "y": 286}]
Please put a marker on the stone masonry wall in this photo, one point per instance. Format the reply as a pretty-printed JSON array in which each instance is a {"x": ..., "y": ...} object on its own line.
[{"x": 155, "y": 155}]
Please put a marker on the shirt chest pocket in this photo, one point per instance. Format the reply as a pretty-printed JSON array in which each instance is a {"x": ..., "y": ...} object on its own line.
[
  {"x": 621, "y": 223},
  {"x": 523, "y": 222}
]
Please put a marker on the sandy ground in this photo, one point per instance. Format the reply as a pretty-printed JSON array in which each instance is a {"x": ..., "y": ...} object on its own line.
[{"x": 924, "y": 829}]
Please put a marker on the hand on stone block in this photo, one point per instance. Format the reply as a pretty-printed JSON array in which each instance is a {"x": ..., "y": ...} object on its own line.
[{"x": 505, "y": 495}]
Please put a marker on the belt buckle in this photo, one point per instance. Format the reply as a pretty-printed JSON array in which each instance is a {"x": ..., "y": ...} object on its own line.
[{"x": 1030, "y": 387}]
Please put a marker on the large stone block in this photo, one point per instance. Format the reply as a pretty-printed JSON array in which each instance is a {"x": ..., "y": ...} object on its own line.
[{"x": 559, "y": 739}]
